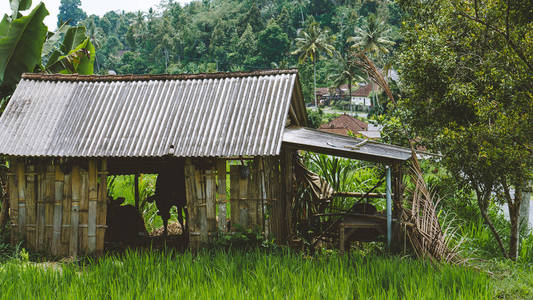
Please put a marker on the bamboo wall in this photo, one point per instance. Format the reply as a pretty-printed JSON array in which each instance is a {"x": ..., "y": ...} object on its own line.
[
  {"x": 253, "y": 191},
  {"x": 58, "y": 208}
]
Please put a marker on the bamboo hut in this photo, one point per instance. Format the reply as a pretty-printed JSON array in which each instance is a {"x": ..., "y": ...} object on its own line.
[{"x": 64, "y": 134}]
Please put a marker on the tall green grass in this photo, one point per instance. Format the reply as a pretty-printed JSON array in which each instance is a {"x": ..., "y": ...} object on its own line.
[{"x": 240, "y": 275}]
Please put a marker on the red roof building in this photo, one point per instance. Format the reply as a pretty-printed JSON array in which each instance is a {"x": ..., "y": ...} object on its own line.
[{"x": 344, "y": 124}]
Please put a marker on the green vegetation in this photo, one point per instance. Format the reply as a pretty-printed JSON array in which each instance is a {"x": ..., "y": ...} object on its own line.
[{"x": 239, "y": 275}]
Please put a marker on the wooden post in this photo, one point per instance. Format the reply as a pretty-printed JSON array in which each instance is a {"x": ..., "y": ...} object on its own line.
[
  {"x": 31, "y": 233},
  {"x": 65, "y": 215},
  {"x": 41, "y": 204},
  {"x": 201, "y": 205},
  {"x": 21, "y": 178},
  {"x": 136, "y": 183},
  {"x": 397, "y": 189},
  {"x": 58, "y": 212},
  {"x": 210, "y": 200},
  {"x": 74, "y": 218},
  {"x": 101, "y": 214},
  {"x": 190, "y": 190},
  {"x": 283, "y": 208},
  {"x": 13, "y": 200},
  {"x": 93, "y": 197},
  {"x": 84, "y": 212},
  {"x": 234, "y": 175},
  {"x": 49, "y": 201},
  {"x": 244, "y": 209},
  {"x": 221, "y": 194},
  {"x": 389, "y": 206}
]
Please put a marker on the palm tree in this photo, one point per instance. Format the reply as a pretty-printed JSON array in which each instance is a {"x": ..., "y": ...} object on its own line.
[
  {"x": 311, "y": 43},
  {"x": 373, "y": 37},
  {"x": 345, "y": 71}
]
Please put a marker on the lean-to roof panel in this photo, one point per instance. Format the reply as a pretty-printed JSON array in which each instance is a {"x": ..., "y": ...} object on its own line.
[{"x": 147, "y": 116}]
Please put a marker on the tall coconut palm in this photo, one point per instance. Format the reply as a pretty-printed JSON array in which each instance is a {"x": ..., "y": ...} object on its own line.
[
  {"x": 373, "y": 37},
  {"x": 345, "y": 71},
  {"x": 311, "y": 43}
]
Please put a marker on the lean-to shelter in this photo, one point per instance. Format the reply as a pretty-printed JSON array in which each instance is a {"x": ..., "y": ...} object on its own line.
[{"x": 64, "y": 134}]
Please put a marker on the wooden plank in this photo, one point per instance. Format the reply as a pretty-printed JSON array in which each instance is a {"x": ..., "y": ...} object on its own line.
[
  {"x": 101, "y": 215},
  {"x": 13, "y": 200},
  {"x": 31, "y": 211},
  {"x": 210, "y": 199},
  {"x": 49, "y": 201},
  {"x": 65, "y": 215},
  {"x": 21, "y": 178},
  {"x": 84, "y": 212},
  {"x": 58, "y": 212},
  {"x": 234, "y": 175},
  {"x": 74, "y": 215},
  {"x": 221, "y": 194},
  {"x": 93, "y": 198}
]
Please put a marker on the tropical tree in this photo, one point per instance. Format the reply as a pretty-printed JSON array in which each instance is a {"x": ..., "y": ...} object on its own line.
[
  {"x": 70, "y": 12},
  {"x": 467, "y": 74},
  {"x": 344, "y": 71},
  {"x": 372, "y": 37},
  {"x": 311, "y": 43}
]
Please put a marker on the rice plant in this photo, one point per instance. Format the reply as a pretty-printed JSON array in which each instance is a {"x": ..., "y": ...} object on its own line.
[{"x": 242, "y": 275}]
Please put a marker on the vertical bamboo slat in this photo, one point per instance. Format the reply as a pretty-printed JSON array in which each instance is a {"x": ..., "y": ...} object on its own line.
[
  {"x": 58, "y": 212},
  {"x": 74, "y": 217},
  {"x": 31, "y": 234},
  {"x": 210, "y": 199},
  {"x": 49, "y": 201},
  {"x": 93, "y": 197},
  {"x": 244, "y": 209},
  {"x": 234, "y": 175},
  {"x": 201, "y": 205},
  {"x": 41, "y": 198},
  {"x": 13, "y": 200},
  {"x": 101, "y": 215},
  {"x": 221, "y": 194},
  {"x": 65, "y": 215},
  {"x": 190, "y": 190},
  {"x": 21, "y": 179},
  {"x": 84, "y": 212}
]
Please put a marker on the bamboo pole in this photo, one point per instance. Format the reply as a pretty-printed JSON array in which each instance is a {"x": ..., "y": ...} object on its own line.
[
  {"x": 136, "y": 183},
  {"x": 21, "y": 198},
  {"x": 49, "y": 201},
  {"x": 93, "y": 198},
  {"x": 65, "y": 215},
  {"x": 101, "y": 216},
  {"x": 84, "y": 212},
  {"x": 13, "y": 200},
  {"x": 41, "y": 203},
  {"x": 201, "y": 205},
  {"x": 210, "y": 200},
  {"x": 31, "y": 234},
  {"x": 190, "y": 190},
  {"x": 221, "y": 195},
  {"x": 244, "y": 209},
  {"x": 74, "y": 218},
  {"x": 58, "y": 210},
  {"x": 234, "y": 175}
]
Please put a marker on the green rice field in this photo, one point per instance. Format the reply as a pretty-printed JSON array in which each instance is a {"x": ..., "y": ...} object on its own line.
[{"x": 254, "y": 274}]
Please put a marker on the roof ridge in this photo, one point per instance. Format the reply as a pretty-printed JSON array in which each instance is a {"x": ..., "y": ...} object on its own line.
[{"x": 146, "y": 77}]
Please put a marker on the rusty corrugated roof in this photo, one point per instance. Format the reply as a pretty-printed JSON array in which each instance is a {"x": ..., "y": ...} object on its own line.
[
  {"x": 222, "y": 114},
  {"x": 344, "y": 123}
]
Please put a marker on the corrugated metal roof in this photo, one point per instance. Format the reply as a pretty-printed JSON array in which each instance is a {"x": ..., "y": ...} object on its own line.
[
  {"x": 335, "y": 144},
  {"x": 135, "y": 116}
]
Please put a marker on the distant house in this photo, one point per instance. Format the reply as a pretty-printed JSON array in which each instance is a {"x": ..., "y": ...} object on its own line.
[
  {"x": 344, "y": 124},
  {"x": 361, "y": 96}
]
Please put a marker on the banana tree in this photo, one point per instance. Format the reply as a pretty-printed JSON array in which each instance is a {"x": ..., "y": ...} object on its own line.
[{"x": 24, "y": 40}]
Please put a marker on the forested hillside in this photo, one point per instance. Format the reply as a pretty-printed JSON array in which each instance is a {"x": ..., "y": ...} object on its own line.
[{"x": 231, "y": 35}]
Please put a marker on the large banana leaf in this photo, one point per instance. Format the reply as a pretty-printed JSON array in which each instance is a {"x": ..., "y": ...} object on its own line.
[
  {"x": 19, "y": 5},
  {"x": 20, "y": 47},
  {"x": 79, "y": 60},
  {"x": 52, "y": 40},
  {"x": 74, "y": 36}
]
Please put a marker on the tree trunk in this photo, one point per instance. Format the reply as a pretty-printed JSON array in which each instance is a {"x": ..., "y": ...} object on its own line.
[
  {"x": 314, "y": 75},
  {"x": 523, "y": 217},
  {"x": 514, "y": 213},
  {"x": 482, "y": 200}
]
